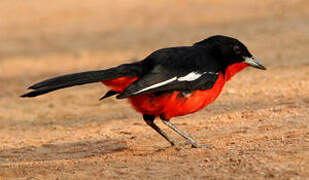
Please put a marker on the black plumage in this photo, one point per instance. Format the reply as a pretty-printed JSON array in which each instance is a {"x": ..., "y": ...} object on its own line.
[{"x": 206, "y": 57}]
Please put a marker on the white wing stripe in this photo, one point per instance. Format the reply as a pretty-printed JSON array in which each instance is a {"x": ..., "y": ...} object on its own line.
[
  {"x": 190, "y": 77},
  {"x": 212, "y": 73},
  {"x": 156, "y": 85}
]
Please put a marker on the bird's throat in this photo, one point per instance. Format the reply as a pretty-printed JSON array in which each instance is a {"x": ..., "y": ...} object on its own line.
[{"x": 231, "y": 70}]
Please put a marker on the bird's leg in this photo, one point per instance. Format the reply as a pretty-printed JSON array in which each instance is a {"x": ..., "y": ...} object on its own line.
[
  {"x": 181, "y": 133},
  {"x": 149, "y": 119}
]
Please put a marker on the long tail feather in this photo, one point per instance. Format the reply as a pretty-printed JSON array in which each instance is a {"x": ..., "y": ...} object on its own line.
[
  {"x": 81, "y": 78},
  {"x": 108, "y": 94}
]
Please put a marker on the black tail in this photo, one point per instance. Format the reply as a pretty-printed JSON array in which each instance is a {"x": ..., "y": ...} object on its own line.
[{"x": 81, "y": 78}]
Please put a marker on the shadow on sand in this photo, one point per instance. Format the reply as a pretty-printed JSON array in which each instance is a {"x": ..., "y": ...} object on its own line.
[{"x": 62, "y": 151}]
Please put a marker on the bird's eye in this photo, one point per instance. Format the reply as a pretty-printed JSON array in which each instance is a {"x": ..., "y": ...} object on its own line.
[{"x": 237, "y": 50}]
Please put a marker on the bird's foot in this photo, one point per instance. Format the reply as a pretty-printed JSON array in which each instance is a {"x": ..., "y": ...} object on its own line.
[
  {"x": 179, "y": 146},
  {"x": 167, "y": 147},
  {"x": 195, "y": 144}
]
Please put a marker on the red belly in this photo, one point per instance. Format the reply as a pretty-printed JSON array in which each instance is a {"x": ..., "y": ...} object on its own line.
[{"x": 169, "y": 104}]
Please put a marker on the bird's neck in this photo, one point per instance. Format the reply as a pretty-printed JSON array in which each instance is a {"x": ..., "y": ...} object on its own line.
[{"x": 231, "y": 70}]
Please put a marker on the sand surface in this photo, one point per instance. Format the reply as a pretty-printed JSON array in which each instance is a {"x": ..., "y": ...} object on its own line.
[{"x": 258, "y": 127}]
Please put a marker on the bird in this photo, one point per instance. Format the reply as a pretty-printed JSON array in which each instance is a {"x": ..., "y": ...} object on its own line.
[{"x": 170, "y": 82}]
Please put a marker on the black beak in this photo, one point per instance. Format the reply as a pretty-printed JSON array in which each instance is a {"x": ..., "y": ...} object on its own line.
[{"x": 254, "y": 62}]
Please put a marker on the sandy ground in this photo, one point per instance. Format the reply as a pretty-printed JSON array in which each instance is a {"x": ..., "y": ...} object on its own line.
[{"x": 258, "y": 128}]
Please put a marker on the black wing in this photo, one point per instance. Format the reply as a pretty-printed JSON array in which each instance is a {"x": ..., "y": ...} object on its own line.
[{"x": 175, "y": 72}]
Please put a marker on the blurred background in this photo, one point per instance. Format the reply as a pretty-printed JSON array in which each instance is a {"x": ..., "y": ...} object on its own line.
[
  {"x": 41, "y": 39},
  {"x": 74, "y": 27}
]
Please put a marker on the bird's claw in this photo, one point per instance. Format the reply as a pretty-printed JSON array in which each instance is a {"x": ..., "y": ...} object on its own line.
[
  {"x": 197, "y": 145},
  {"x": 194, "y": 144},
  {"x": 178, "y": 146}
]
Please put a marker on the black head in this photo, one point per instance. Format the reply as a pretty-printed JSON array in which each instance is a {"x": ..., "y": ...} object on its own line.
[{"x": 230, "y": 51}]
